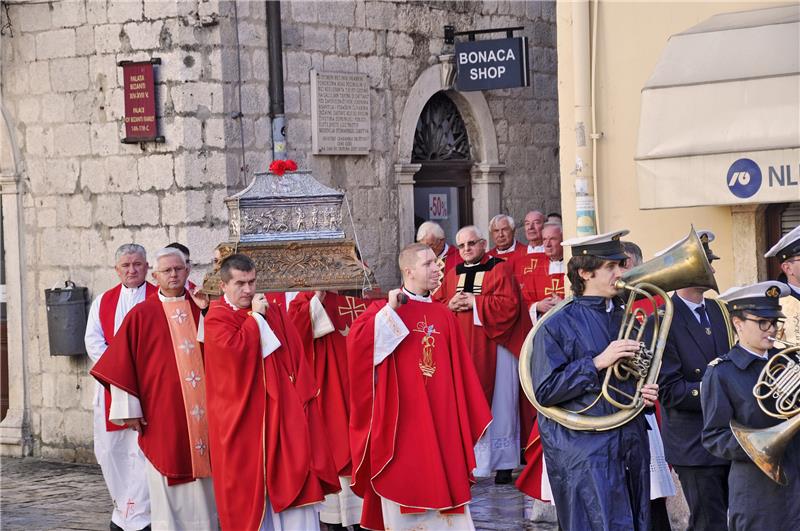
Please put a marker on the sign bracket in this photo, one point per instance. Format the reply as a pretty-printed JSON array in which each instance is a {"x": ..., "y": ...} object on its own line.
[{"x": 450, "y": 33}]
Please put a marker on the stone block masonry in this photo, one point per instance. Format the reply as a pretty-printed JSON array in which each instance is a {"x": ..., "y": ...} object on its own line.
[{"x": 84, "y": 193}]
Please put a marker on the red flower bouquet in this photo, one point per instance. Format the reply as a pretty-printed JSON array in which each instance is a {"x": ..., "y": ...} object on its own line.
[{"x": 279, "y": 167}]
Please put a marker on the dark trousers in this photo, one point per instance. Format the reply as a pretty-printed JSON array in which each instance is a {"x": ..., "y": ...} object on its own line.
[
  {"x": 659, "y": 519},
  {"x": 706, "y": 491}
]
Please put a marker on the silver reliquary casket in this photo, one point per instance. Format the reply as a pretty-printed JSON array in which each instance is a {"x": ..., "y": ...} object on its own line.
[{"x": 291, "y": 226}]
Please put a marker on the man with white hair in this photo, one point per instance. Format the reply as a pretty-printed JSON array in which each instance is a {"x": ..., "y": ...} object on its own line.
[
  {"x": 155, "y": 373},
  {"x": 501, "y": 229},
  {"x": 534, "y": 221},
  {"x": 116, "y": 447},
  {"x": 431, "y": 234},
  {"x": 485, "y": 299}
]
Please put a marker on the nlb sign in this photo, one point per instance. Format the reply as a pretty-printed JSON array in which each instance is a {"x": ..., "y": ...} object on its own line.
[
  {"x": 744, "y": 177},
  {"x": 492, "y": 64}
]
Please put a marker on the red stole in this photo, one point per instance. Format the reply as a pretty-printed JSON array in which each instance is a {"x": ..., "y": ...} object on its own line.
[
  {"x": 416, "y": 416},
  {"x": 141, "y": 361},
  {"x": 266, "y": 431},
  {"x": 328, "y": 357},
  {"x": 108, "y": 311},
  {"x": 499, "y": 309}
]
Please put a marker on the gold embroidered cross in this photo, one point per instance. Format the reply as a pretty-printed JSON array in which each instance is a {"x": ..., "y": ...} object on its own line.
[
  {"x": 426, "y": 364},
  {"x": 555, "y": 287},
  {"x": 352, "y": 309},
  {"x": 531, "y": 267}
]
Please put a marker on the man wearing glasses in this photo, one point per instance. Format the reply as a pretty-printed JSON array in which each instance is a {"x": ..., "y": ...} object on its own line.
[
  {"x": 787, "y": 251},
  {"x": 487, "y": 304},
  {"x": 154, "y": 371}
]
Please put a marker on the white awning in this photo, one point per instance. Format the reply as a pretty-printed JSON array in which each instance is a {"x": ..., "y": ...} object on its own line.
[{"x": 720, "y": 118}]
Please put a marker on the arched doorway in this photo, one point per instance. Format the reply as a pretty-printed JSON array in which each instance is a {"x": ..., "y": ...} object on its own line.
[
  {"x": 442, "y": 186},
  {"x": 483, "y": 191}
]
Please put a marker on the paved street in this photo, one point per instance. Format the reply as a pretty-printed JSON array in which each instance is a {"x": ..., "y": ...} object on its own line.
[{"x": 38, "y": 495}]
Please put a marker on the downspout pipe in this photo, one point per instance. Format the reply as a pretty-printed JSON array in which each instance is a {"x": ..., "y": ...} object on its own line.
[
  {"x": 275, "y": 56},
  {"x": 585, "y": 210}
]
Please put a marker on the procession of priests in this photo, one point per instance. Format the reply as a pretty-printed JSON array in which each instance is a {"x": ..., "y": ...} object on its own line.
[{"x": 326, "y": 410}]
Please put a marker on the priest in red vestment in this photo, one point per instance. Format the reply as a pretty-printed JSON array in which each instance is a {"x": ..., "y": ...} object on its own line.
[
  {"x": 432, "y": 234},
  {"x": 485, "y": 299},
  {"x": 269, "y": 445},
  {"x": 117, "y": 447},
  {"x": 154, "y": 371},
  {"x": 501, "y": 230},
  {"x": 541, "y": 276},
  {"x": 324, "y": 319},
  {"x": 417, "y": 408}
]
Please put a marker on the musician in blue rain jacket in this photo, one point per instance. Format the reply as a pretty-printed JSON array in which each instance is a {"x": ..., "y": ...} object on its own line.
[
  {"x": 755, "y": 502},
  {"x": 600, "y": 480}
]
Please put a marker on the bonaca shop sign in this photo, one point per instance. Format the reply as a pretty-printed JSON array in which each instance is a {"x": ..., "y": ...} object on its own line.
[{"x": 492, "y": 64}]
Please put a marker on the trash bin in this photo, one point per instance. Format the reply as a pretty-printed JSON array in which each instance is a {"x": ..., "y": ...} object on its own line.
[{"x": 66, "y": 319}]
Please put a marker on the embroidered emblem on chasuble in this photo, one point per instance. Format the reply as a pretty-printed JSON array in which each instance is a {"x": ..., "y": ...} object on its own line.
[
  {"x": 426, "y": 363},
  {"x": 183, "y": 332},
  {"x": 531, "y": 267},
  {"x": 556, "y": 287}
]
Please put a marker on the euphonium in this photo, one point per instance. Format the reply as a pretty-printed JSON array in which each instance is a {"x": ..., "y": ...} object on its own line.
[
  {"x": 779, "y": 382},
  {"x": 683, "y": 265}
]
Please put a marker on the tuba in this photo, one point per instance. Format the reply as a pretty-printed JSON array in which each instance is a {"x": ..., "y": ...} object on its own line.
[
  {"x": 779, "y": 381},
  {"x": 683, "y": 265}
]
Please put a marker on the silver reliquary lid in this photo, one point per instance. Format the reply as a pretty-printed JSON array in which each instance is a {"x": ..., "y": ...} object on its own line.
[{"x": 293, "y": 206}]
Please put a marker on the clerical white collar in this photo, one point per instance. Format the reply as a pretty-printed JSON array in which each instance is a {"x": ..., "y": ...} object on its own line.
[
  {"x": 473, "y": 265},
  {"x": 415, "y": 297},
  {"x": 555, "y": 267},
  {"x": 130, "y": 291},
  {"x": 444, "y": 251},
  {"x": 509, "y": 250},
  {"x": 229, "y": 303},
  {"x": 537, "y": 249},
  {"x": 759, "y": 356},
  {"x": 164, "y": 298}
]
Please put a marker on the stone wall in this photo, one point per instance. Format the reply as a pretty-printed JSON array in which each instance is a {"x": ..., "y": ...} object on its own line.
[{"x": 84, "y": 193}]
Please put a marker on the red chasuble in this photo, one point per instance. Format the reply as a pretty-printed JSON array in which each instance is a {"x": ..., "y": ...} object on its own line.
[
  {"x": 532, "y": 274},
  {"x": 415, "y": 417},
  {"x": 108, "y": 313},
  {"x": 451, "y": 258},
  {"x": 530, "y": 480},
  {"x": 266, "y": 431},
  {"x": 503, "y": 320},
  {"x": 141, "y": 362},
  {"x": 328, "y": 357},
  {"x": 520, "y": 249}
]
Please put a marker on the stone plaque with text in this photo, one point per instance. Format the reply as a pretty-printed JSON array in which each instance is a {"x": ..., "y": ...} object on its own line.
[{"x": 340, "y": 114}]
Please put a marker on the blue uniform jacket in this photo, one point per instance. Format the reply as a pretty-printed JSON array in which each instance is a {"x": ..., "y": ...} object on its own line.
[
  {"x": 600, "y": 480},
  {"x": 687, "y": 353},
  {"x": 755, "y": 501}
]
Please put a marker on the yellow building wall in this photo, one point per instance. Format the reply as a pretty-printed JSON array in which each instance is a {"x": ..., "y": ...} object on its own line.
[{"x": 630, "y": 39}]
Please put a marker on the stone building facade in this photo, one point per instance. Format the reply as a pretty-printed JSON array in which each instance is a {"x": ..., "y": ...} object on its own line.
[{"x": 72, "y": 192}]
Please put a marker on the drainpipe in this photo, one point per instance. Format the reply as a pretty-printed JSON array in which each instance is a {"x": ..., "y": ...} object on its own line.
[
  {"x": 585, "y": 206},
  {"x": 275, "y": 53}
]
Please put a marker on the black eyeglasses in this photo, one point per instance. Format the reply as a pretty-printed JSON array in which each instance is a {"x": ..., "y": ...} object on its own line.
[
  {"x": 470, "y": 243},
  {"x": 766, "y": 324}
]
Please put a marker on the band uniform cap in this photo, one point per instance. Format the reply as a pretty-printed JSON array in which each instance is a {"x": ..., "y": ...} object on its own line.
[
  {"x": 706, "y": 237},
  {"x": 787, "y": 247},
  {"x": 761, "y": 299},
  {"x": 606, "y": 246}
]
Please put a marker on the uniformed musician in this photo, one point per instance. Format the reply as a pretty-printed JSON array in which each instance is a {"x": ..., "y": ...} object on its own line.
[
  {"x": 787, "y": 251},
  {"x": 756, "y": 502},
  {"x": 699, "y": 334}
]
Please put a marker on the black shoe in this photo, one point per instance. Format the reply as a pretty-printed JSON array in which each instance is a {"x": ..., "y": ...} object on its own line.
[
  {"x": 146, "y": 528},
  {"x": 115, "y": 527},
  {"x": 503, "y": 477}
]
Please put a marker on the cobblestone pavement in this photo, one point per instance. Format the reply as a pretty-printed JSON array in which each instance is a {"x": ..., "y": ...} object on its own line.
[{"x": 41, "y": 495}]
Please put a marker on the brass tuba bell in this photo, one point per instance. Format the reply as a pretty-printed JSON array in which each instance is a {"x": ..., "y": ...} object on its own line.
[
  {"x": 683, "y": 265},
  {"x": 778, "y": 383}
]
